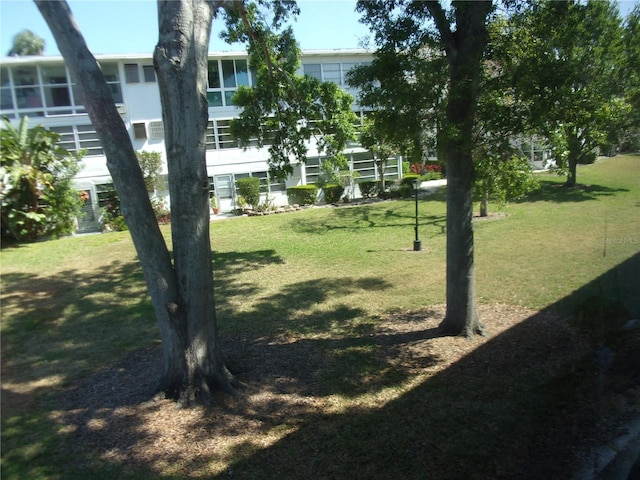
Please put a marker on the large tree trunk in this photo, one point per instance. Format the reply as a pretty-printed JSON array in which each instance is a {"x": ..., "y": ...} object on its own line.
[
  {"x": 464, "y": 49},
  {"x": 180, "y": 59},
  {"x": 575, "y": 151},
  {"x": 185, "y": 310}
]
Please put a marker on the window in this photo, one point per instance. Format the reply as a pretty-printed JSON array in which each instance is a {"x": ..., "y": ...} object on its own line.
[
  {"x": 79, "y": 137},
  {"x": 131, "y": 74},
  {"x": 210, "y": 136},
  {"x": 365, "y": 165},
  {"x": 225, "y": 139},
  {"x": 156, "y": 130},
  {"x": 331, "y": 73},
  {"x": 25, "y": 80},
  {"x": 219, "y": 135},
  {"x": 88, "y": 140},
  {"x": 56, "y": 88},
  {"x": 312, "y": 168},
  {"x": 139, "y": 131},
  {"x": 313, "y": 70},
  {"x": 149, "y": 73},
  {"x": 6, "y": 99},
  {"x": 47, "y": 90},
  {"x": 110, "y": 72},
  {"x": 67, "y": 137},
  {"x": 225, "y": 76}
]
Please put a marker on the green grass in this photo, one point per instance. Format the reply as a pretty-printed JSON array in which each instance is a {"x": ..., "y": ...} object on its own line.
[{"x": 73, "y": 305}]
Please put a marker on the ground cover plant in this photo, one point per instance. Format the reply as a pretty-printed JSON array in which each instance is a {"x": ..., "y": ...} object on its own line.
[{"x": 329, "y": 317}]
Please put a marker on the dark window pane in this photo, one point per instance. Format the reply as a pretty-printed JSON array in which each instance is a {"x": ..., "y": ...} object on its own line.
[
  {"x": 214, "y": 74},
  {"x": 228, "y": 74},
  {"x": 242, "y": 72},
  {"x": 131, "y": 73},
  {"x": 149, "y": 73}
]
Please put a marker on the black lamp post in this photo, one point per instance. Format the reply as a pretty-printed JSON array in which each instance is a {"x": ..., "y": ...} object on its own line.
[{"x": 417, "y": 244}]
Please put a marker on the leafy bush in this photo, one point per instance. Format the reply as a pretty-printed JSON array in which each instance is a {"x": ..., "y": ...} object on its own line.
[
  {"x": 303, "y": 194},
  {"x": 431, "y": 171},
  {"x": 162, "y": 212},
  {"x": 409, "y": 180},
  {"x": 368, "y": 188},
  {"x": 112, "y": 218},
  {"x": 150, "y": 163},
  {"x": 333, "y": 192},
  {"x": 36, "y": 183},
  {"x": 249, "y": 189}
]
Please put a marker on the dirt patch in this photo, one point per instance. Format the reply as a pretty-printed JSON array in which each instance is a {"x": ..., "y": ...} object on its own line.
[{"x": 110, "y": 413}]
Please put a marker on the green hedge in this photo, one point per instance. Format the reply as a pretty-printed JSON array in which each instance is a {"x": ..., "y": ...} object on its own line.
[
  {"x": 332, "y": 192},
  {"x": 249, "y": 189},
  {"x": 368, "y": 188},
  {"x": 303, "y": 194}
]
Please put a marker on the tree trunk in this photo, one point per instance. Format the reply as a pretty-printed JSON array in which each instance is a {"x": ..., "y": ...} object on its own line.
[
  {"x": 464, "y": 49},
  {"x": 192, "y": 362},
  {"x": 180, "y": 59},
  {"x": 572, "y": 161},
  {"x": 484, "y": 204}
]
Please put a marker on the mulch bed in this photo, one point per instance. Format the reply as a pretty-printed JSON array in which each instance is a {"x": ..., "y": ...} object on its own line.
[{"x": 112, "y": 413}]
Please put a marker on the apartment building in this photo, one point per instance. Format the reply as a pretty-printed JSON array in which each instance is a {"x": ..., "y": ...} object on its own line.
[{"x": 41, "y": 88}]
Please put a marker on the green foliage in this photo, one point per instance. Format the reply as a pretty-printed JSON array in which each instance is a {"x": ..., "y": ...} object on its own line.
[
  {"x": 410, "y": 179},
  {"x": 303, "y": 194},
  {"x": 630, "y": 131},
  {"x": 26, "y": 43},
  {"x": 332, "y": 192},
  {"x": 565, "y": 60},
  {"x": 150, "y": 163},
  {"x": 404, "y": 86},
  {"x": 162, "y": 212},
  {"x": 112, "y": 218},
  {"x": 249, "y": 190},
  {"x": 502, "y": 179},
  {"x": 284, "y": 109},
  {"x": 368, "y": 188},
  {"x": 36, "y": 183}
]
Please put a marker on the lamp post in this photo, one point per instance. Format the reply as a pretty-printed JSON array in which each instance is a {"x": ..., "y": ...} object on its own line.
[{"x": 417, "y": 244}]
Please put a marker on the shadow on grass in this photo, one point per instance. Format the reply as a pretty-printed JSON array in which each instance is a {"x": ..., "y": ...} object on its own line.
[
  {"x": 552, "y": 191},
  {"x": 382, "y": 215},
  {"x": 520, "y": 406}
]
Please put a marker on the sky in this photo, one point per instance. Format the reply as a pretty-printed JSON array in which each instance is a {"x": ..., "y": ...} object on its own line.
[
  {"x": 130, "y": 26},
  {"x": 117, "y": 26}
]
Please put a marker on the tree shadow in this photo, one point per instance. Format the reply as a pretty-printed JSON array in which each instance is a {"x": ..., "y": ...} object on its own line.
[
  {"x": 552, "y": 191},
  {"x": 520, "y": 406},
  {"x": 524, "y": 405},
  {"x": 371, "y": 216}
]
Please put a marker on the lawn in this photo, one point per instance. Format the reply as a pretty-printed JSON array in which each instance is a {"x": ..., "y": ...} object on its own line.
[{"x": 329, "y": 317}]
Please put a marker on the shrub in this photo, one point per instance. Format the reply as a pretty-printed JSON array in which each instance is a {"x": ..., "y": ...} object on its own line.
[
  {"x": 163, "y": 215},
  {"x": 36, "y": 190},
  {"x": 303, "y": 194},
  {"x": 112, "y": 218},
  {"x": 333, "y": 192},
  {"x": 409, "y": 180},
  {"x": 368, "y": 188},
  {"x": 431, "y": 171},
  {"x": 249, "y": 189}
]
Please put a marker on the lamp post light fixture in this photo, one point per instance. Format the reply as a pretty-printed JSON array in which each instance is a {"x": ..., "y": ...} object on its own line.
[{"x": 417, "y": 244}]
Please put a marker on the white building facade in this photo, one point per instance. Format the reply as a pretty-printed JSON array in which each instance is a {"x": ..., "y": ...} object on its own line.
[{"x": 41, "y": 88}]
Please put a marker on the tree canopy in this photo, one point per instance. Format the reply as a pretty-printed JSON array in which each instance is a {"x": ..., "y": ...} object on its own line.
[
  {"x": 567, "y": 60},
  {"x": 283, "y": 109},
  {"x": 26, "y": 43}
]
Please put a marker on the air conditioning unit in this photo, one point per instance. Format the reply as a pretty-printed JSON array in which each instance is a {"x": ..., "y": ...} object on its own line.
[{"x": 122, "y": 108}]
